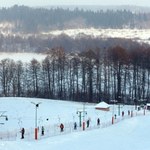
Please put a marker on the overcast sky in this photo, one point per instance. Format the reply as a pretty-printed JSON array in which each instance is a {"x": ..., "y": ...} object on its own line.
[{"x": 8, "y": 3}]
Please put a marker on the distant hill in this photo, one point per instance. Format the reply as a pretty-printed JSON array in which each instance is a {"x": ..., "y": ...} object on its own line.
[
  {"x": 132, "y": 8},
  {"x": 27, "y": 19},
  {"x": 26, "y": 29}
]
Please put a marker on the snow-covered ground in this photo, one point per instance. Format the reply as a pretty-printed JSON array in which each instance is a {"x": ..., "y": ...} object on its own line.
[
  {"x": 24, "y": 57},
  {"x": 140, "y": 35},
  {"x": 21, "y": 112},
  {"x": 131, "y": 133}
]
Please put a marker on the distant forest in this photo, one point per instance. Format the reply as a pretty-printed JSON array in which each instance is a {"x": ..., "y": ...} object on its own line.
[
  {"x": 28, "y": 19},
  {"x": 20, "y": 28},
  {"x": 40, "y": 44}
]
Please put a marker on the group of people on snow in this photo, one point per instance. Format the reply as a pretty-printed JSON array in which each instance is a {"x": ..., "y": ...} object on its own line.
[{"x": 61, "y": 127}]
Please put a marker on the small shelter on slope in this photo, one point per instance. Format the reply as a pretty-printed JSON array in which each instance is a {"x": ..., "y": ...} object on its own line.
[
  {"x": 148, "y": 106},
  {"x": 102, "y": 106}
]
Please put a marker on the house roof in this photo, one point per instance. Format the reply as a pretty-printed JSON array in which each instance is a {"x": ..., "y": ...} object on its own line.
[
  {"x": 102, "y": 105},
  {"x": 148, "y": 104}
]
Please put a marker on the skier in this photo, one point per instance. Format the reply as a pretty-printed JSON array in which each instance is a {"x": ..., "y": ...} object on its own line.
[
  {"x": 22, "y": 133},
  {"x": 42, "y": 130},
  {"x": 128, "y": 112},
  {"x": 98, "y": 121},
  {"x": 88, "y": 122},
  {"x": 122, "y": 113},
  {"x": 75, "y": 126},
  {"x": 61, "y": 127}
]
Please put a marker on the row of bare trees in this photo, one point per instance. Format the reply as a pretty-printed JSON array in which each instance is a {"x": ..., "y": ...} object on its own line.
[{"x": 90, "y": 76}]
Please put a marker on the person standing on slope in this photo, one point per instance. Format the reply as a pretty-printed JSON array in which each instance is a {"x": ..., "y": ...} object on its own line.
[
  {"x": 22, "y": 133},
  {"x": 61, "y": 127}
]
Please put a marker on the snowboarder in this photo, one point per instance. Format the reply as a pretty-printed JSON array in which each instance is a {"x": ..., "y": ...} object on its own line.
[
  {"x": 42, "y": 130},
  {"x": 98, "y": 121},
  {"x": 61, "y": 127},
  {"x": 22, "y": 133}
]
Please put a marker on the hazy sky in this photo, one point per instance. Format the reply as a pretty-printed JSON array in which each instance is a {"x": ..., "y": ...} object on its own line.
[{"x": 8, "y": 3}]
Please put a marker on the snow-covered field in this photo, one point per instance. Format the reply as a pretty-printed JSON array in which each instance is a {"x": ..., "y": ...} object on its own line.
[
  {"x": 131, "y": 133},
  {"x": 140, "y": 35},
  {"x": 21, "y": 112},
  {"x": 24, "y": 57}
]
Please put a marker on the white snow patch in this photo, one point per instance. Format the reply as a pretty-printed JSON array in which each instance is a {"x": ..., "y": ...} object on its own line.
[
  {"x": 24, "y": 57},
  {"x": 140, "y": 35}
]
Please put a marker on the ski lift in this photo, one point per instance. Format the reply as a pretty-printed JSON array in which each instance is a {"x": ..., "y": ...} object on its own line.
[{"x": 3, "y": 116}]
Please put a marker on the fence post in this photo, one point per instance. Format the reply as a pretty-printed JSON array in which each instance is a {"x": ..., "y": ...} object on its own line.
[
  {"x": 83, "y": 125},
  {"x": 36, "y": 133},
  {"x": 112, "y": 119},
  {"x": 131, "y": 113},
  {"x": 144, "y": 111}
]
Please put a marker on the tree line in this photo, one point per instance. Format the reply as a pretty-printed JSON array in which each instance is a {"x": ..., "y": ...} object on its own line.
[
  {"x": 90, "y": 76},
  {"x": 27, "y": 19},
  {"x": 39, "y": 44}
]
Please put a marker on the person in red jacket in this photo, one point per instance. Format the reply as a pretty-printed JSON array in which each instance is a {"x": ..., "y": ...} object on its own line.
[{"x": 61, "y": 127}]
